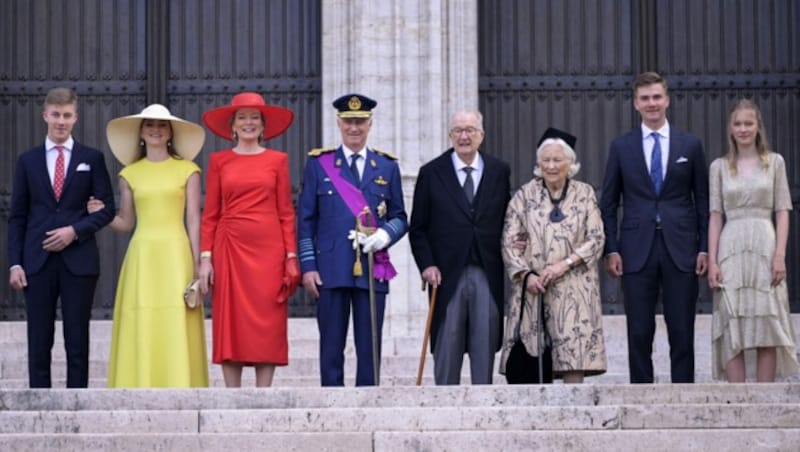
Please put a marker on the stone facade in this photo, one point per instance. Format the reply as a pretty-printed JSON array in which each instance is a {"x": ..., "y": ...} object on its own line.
[{"x": 419, "y": 60}]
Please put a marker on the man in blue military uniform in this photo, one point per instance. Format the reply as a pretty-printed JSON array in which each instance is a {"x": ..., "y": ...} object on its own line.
[{"x": 351, "y": 205}]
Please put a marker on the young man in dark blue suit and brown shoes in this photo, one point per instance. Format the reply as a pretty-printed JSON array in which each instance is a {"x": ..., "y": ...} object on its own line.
[
  {"x": 51, "y": 246},
  {"x": 660, "y": 175}
]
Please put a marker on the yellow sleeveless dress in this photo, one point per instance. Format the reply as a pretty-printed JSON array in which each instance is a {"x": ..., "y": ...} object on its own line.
[{"x": 156, "y": 340}]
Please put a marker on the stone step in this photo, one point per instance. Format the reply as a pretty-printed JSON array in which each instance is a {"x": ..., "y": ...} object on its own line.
[
  {"x": 773, "y": 440},
  {"x": 132, "y": 442},
  {"x": 525, "y": 396},
  {"x": 355, "y": 419},
  {"x": 216, "y": 381},
  {"x": 309, "y": 348},
  {"x": 306, "y": 328},
  {"x": 715, "y": 416},
  {"x": 390, "y": 366}
]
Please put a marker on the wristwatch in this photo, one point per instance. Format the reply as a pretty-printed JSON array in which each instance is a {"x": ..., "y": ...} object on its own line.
[{"x": 569, "y": 262}]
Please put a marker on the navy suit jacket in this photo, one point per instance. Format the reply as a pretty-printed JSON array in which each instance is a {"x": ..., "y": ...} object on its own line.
[
  {"x": 444, "y": 225},
  {"x": 325, "y": 219},
  {"x": 34, "y": 209},
  {"x": 682, "y": 203}
]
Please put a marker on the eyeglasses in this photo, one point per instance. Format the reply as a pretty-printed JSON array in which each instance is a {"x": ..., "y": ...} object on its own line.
[{"x": 468, "y": 130}]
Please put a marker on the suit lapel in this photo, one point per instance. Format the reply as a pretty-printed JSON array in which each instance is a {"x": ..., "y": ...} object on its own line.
[
  {"x": 485, "y": 189},
  {"x": 74, "y": 160},
  {"x": 369, "y": 171},
  {"x": 640, "y": 162},
  {"x": 672, "y": 155},
  {"x": 449, "y": 180},
  {"x": 42, "y": 173}
]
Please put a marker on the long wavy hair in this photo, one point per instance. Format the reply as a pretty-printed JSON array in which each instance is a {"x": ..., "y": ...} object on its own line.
[{"x": 762, "y": 145}]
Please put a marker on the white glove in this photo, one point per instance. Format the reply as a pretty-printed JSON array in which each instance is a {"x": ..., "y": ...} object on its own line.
[
  {"x": 377, "y": 241},
  {"x": 358, "y": 238}
]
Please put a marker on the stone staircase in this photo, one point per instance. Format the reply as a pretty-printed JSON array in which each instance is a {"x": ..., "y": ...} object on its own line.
[{"x": 606, "y": 413}]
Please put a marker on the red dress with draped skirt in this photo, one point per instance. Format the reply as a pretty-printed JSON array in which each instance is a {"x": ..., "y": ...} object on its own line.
[{"x": 249, "y": 226}]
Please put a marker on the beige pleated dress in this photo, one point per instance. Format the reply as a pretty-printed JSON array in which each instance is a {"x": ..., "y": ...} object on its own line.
[{"x": 749, "y": 312}]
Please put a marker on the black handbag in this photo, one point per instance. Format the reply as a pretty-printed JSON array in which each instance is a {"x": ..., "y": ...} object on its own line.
[{"x": 521, "y": 367}]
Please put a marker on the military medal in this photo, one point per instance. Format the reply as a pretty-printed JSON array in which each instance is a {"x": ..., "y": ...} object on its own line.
[{"x": 381, "y": 209}]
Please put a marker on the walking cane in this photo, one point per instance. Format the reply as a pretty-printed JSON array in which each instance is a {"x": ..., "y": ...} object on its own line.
[
  {"x": 427, "y": 333},
  {"x": 373, "y": 320},
  {"x": 540, "y": 337}
]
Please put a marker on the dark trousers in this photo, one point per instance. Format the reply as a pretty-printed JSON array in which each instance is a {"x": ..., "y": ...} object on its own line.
[
  {"x": 44, "y": 289},
  {"x": 333, "y": 316},
  {"x": 679, "y": 298}
]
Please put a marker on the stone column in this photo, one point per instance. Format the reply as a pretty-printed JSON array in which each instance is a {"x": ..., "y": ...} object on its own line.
[{"x": 419, "y": 60}]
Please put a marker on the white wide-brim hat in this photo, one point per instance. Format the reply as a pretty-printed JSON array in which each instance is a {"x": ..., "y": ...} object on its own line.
[{"x": 124, "y": 134}]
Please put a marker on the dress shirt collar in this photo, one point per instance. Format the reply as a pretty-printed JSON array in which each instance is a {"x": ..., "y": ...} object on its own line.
[
  {"x": 663, "y": 132},
  {"x": 49, "y": 145},
  {"x": 349, "y": 152},
  {"x": 458, "y": 164}
]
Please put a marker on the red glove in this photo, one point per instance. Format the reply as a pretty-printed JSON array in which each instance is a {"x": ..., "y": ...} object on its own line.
[{"x": 291, "y": 279}]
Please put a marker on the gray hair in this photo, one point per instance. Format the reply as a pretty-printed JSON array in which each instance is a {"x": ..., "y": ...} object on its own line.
[
  {"x": 474, "y": 113},
  {"x": 569, "y": 153}
]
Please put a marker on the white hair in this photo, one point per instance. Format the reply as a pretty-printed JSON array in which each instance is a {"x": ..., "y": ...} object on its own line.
[{"x": 569, "y": 153}]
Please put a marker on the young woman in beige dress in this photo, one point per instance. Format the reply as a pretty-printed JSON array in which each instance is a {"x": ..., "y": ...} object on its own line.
[{"x": 747, "y": 255}]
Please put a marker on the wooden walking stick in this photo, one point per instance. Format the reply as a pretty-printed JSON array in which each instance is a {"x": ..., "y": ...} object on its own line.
[{"x": 427, "y": 333}]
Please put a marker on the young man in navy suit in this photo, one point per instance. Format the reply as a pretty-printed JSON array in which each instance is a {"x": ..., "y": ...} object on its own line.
[
  {"x": 51, "y": 245},
  {"x": 342, "y": 186},
  {"x": 660, "y": 175}
]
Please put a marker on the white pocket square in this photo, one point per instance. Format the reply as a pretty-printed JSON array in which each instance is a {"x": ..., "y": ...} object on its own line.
[
  {"x": 682, "y": 160},
  {"x": 83, "y": 167}
]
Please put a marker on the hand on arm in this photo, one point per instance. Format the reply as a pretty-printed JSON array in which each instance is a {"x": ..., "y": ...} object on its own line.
[{"x": 59, "y": 238}]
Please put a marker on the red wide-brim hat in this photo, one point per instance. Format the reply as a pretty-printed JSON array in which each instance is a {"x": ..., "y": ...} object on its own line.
[{"x": 276, "y": 119}]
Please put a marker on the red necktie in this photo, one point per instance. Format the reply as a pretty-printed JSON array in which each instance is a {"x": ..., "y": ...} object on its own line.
[{"x": 58, "y": 176}]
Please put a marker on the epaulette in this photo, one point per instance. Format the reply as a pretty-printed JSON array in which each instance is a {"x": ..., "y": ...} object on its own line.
[
  {"x": 386, "y": 154},
  {"x": 319, "y": 151}
]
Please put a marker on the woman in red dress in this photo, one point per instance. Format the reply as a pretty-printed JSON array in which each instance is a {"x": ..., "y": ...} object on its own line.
[{"x": 247, "y": 239}]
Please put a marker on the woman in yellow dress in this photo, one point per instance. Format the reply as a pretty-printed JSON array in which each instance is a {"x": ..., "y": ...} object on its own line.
[{"x": 156, "y": 340}]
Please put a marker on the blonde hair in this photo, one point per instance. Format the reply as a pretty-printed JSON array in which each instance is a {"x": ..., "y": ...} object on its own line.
[{"x": 762, "y": 145}]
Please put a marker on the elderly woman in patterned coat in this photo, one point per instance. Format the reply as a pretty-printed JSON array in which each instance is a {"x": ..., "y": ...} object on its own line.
[{"x": 553, "y": 228}]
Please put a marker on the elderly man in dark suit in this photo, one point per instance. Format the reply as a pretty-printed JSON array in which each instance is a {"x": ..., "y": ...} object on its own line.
[
  {"x": 51, "y": 246},
  {"x": 660, "y": 175},
  {"x": 456, "y": 226}
]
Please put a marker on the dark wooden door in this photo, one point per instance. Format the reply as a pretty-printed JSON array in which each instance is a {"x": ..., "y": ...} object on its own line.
[
  {"x": 570, "y": 64},
  {"x": 121, "y": 55}
]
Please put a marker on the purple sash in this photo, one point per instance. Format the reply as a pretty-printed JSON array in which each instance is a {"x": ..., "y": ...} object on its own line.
[{"x": 355, "y": 201}]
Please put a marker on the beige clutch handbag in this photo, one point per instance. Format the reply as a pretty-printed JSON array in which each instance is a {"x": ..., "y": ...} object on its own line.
[{"x": 191, "y": 295}]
